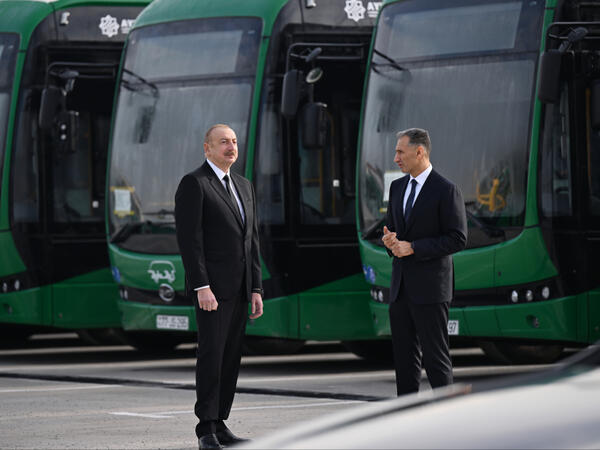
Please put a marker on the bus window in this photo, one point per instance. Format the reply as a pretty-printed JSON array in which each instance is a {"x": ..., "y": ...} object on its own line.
[
  {"x": 8, "y": 52},
  {"x": 555, "y": 170},
  {"x": 593, "y": 157},
  {"x": 269, "y": 165}
]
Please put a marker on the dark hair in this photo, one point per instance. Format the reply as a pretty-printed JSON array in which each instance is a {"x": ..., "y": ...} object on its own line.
[
  {"x": 417, "y": 136},
  {"x": 210, "y": 130}
]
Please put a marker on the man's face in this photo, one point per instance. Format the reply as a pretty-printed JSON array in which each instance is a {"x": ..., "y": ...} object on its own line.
[
  {"x": 221, "y": 148},
  {"x": 407, "y": 155}
]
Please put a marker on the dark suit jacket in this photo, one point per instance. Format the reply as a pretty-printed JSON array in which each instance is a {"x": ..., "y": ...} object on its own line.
[
  {"x": 437, "y": 227},
  {"x": 216, "y": 248}
]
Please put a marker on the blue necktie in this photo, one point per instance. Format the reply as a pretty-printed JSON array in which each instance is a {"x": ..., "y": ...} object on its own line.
[{"x": 411, "y": 199}]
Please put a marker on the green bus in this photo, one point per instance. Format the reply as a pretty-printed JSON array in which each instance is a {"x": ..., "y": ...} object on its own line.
[
  {"x": 58, "y": 69},
  {"x": 288, "y": 77},
  {"x": 526, "y": 157}
]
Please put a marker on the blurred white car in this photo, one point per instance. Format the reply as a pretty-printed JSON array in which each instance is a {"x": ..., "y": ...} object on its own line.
[{"x": 556, "y": 408}]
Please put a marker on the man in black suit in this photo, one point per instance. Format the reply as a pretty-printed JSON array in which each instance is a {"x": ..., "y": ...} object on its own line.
[
  {"x": 426, "y": 224},
  {"x": 217, "y": 233}
]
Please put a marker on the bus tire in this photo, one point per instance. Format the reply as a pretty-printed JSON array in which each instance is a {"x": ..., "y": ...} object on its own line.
[
  {"x": 512, "y": 353},
  {"x": 379, "y": 350},
  {"x": 257, "y": 345}
]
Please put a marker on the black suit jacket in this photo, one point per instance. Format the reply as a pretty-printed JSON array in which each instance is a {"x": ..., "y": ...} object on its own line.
[
  {"x": 217, "y": 249},
  {"x": 437, "y": 228}
]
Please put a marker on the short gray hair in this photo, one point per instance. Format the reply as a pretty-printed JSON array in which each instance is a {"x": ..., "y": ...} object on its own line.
[{"x": 416, "y": 136}]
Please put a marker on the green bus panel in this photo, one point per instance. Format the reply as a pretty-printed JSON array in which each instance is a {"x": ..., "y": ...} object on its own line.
[
  {"x": 594, "y": 315},
  {"x": 381, "y": 319},
  {"x": 279, "y": 319},
  {"x": 340, "y": 315},
  {"x": 88, "y": 301},
  {"x": 140, "y": 316},
  {"x": 10, "y": 261},
  {"x": 523, "y": 259},
  {"x": 144, "y": 271},
  {"x": 548, "y": 320},
  {"x": 26, "y": 307},
  {"x": 552, "y": 319}
]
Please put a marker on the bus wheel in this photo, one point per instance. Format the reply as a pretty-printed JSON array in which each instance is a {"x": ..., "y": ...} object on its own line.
[
  {"x": 510, "y": 353},
  {"x": 372, "y": 350},
  {"x": 255, "y": 345},
  {"x": 100, "y": 336}
]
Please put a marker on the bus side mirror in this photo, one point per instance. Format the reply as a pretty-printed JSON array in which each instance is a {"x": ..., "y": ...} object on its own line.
[
  {"x": 50, "y": 104},
  {"x": 549, "y": 87},
  {"x": 314, "y": 125},
  {"x": 290, "y": 93}
]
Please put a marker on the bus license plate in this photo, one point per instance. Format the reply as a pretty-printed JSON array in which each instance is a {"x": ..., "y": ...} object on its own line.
[
  {"x": 453, "y": 327},
  {"x": 164, "y": 322}
]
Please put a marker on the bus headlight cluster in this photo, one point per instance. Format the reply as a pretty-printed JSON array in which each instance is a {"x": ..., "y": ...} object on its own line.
[
  {"x": 377, "y": 295},
  {"x": 11, "y": 285},
  {"x": 123, "y": 293},
  {"x": 530, "y": 294}
]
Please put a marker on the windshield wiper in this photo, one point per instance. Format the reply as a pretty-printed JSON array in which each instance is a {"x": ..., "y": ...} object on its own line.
[
  {"x": 391, "y": 62},
  {"x": 491, "y": 231},
  {"x": 142, "y": 81},
  {"x": 130, "y": 228},
  {"x": 370, "y": 232}
]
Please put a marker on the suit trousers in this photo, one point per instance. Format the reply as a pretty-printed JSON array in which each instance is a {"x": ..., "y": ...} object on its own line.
[
  {"x": 220, "y": 338},
  {"x": 420, "y": 336}
]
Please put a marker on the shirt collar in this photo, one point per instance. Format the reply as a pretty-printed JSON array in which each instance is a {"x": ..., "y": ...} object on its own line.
[
  {"x": 217, "y": 171},
  {"x": 422, "y": 177}
]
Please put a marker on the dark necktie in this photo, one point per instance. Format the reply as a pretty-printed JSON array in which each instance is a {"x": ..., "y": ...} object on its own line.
[
  {"x": 231, "y": 196},
  {"x": 411, "y": 199}
]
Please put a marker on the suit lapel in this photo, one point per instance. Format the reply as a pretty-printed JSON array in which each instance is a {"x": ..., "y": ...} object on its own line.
[
  {"x": 400, "y": 201},
  {"x": 217, "y": 185}
]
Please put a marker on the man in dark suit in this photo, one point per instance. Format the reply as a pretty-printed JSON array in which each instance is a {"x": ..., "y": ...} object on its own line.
[
  {"x": 426, "y": 224},
  {"x": 217, "y": 233}
]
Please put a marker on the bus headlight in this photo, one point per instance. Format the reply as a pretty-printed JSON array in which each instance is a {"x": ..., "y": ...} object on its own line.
[
  {"x": 514, "y": 296},
  {"x": 529, "y": 295},
  {"x": 545, "y": 292}
]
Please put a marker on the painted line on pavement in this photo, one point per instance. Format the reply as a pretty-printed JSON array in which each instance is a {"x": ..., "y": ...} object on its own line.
[
  {"x": 170, "y": 414},
  {"x": 52, "y": 389}
]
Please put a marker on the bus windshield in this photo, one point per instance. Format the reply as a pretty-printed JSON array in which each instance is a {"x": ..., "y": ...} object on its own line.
[
  {"x": 8, "y": 52},
  {"x": 468, "y": 80},
  {"x": 178, "y": 79}
]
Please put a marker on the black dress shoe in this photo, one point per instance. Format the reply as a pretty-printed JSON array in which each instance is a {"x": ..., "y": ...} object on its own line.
[
  {"x": 208, "y": 441},
  {"x": 226, "y": 437}
]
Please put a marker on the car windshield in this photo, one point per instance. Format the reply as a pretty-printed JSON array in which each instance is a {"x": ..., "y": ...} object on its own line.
[
  {"x": 469, "y": 81},
  {"x": 178, "y": 80},
  {"x": 8, "y": 52}
]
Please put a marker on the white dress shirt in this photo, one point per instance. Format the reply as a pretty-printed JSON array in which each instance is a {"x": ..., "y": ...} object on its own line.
[{"x": 420, "y": 181}]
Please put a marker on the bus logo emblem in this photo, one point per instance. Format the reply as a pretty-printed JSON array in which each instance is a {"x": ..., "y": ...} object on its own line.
[
  {"x": 109, "y": 25},
  {"x": 162, "y": 270},
  {"x": 355, "y": 10}
]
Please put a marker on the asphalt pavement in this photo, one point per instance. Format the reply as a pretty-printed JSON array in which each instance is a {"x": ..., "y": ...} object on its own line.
[{"x": 57, "y": 393}]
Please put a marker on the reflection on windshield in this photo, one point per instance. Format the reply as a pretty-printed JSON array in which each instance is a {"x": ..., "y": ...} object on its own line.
[
  {"x": 165, "y": 106},
  {"x": 475, "y": 106},
  {"x": 159, "y": 139}
]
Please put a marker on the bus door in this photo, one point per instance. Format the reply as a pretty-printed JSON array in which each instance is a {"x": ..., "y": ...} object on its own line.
[
  {"x": 570, "y": 169},
  {"x": 321, "y": 96},
  {"x": 74, "y": 119}
]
